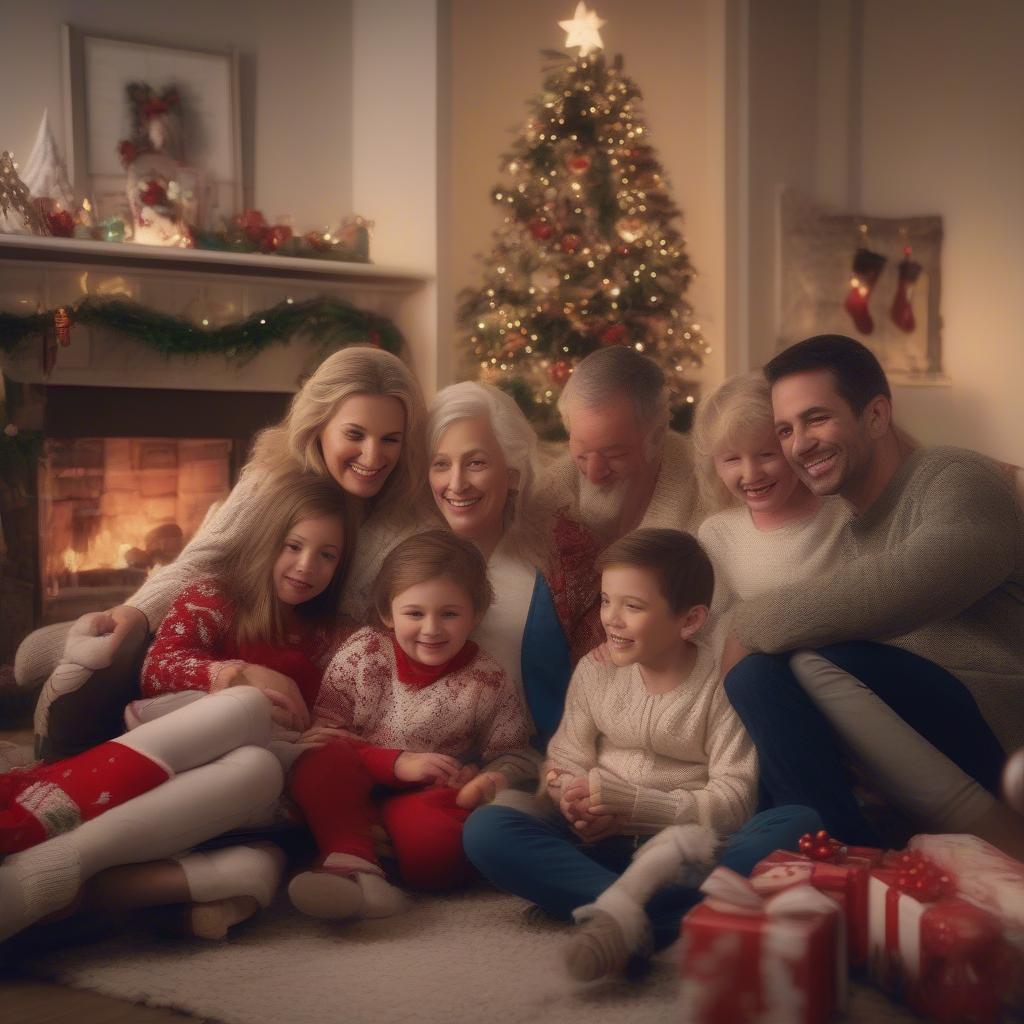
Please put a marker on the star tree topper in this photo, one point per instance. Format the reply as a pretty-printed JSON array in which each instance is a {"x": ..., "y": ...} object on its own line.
[{"x": 583, "y": 30}]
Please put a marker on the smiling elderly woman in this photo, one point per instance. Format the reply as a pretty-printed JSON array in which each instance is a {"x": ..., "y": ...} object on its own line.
[{"x": 483, "y": 472}]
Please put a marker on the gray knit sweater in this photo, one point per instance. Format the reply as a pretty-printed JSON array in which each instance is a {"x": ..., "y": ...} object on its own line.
[{"x": 937, "y": 569}]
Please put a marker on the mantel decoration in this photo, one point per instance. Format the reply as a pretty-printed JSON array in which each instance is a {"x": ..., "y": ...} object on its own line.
[{"x": 329, "y": 322}]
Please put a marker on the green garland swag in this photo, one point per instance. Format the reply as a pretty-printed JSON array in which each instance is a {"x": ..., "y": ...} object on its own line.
[{"x": 330, "y": 322}]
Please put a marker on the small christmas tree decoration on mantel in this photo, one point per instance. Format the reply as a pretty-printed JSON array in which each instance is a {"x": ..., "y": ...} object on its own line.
[
  {"x": 589, "y": 253},
  {"x": 45, "y": 174},
  {"x": 16, "y": 199}
]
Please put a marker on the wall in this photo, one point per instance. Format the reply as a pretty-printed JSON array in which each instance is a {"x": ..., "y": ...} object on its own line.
[
  {"x": 673, "y": 51},
  {"x": 296, "y": 82},
  {"x": 943, "y": 132}
]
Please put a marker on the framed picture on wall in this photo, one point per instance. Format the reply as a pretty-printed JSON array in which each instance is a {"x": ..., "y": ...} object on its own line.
[{"x": 130, "y": 100}]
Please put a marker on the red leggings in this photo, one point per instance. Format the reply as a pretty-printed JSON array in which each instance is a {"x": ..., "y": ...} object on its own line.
[{"x": 333, "y": 785}]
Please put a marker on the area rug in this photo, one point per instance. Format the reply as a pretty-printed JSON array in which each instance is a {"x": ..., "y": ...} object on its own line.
[{"x": 469, "y": 959}]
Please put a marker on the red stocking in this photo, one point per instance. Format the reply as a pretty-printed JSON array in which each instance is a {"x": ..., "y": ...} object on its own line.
[
  {"x": 867, "y": 265},
  {"x": 902, "y": 310},
  {"x": 38, "y": 803}
]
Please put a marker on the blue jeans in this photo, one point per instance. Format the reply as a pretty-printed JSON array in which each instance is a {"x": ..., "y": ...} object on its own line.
[
  {"x": 800, "y": 756},
  {"x": 544, "y": 861}
]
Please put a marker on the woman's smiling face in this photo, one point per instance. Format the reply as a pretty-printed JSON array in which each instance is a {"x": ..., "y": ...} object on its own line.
[{"x": 469, "y": 479}]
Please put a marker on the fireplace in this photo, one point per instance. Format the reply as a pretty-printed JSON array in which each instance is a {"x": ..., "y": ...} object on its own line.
[{"x": 124, "y": 479}]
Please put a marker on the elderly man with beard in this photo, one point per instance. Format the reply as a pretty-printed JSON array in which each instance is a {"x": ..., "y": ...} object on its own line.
[
  {"x": 625, "y": 468},
  {"x": 913, "y": 649}
]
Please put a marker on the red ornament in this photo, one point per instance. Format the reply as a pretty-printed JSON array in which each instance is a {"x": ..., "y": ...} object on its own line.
[
  {"x": 61, "y": 224},
  {"x": 622, "y": 250},
  {"x": 316, "y": 241},
  {"x": 578, "y": 164},
  {"x": 570, "y": 243},
  {"x": 560, "y": 372},
  {"x": 153, "y": 194},
  {"x": 274, "y": 237},
  {"x": 540, "y": 229},
  {"x": 614, "y": 334}
]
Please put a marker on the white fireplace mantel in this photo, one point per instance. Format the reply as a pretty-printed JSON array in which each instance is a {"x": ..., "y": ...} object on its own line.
[{"x": 201, "y": 285}]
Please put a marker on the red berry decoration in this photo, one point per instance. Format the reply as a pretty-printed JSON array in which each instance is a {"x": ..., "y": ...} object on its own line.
[
  {"x": 820, "y": 846},
  {"x": 540, "y": 229}
]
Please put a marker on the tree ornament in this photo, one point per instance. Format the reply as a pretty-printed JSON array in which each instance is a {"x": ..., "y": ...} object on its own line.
[
  {"x": 629, "y": 228},
  {"x": 15, "y": 196},
  {"x": 540, "y": 229},
  {"x": 545, "y": 279},
  {"x": 614, "y": 334},
  {"x": 560, "y": 372},
  {"x": 902, "y": 307},
  {"x": 578, "y": 164},
  {"x": 60, "y": 223},
  {"x": 867, "y": 265},
  {"x": 570, "y": 243}
]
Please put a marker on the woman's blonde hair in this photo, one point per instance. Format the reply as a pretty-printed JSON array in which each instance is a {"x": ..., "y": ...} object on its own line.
[
  {"x": 526, "y": 516},
  {"x": 245, "y": 568},
  {"x": 739, "y": 407},
  {"x": 426, "y": 556},
  {"x": 294, "y": 443}
]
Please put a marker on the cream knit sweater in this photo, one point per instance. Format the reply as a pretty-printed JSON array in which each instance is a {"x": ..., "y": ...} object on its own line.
[
  {"x": 937, "y": 568},
  {"x": 665, "y": 759}
]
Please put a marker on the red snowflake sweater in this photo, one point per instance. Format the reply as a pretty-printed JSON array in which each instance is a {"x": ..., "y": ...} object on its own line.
[
  {"x": 473, "y": 712},
  {"x": 196, "y": 640}
]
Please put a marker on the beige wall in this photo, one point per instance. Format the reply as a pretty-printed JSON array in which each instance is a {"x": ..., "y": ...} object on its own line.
[
  {"x": 943, "y": 132},
  {"x": 296, "y": 84}
]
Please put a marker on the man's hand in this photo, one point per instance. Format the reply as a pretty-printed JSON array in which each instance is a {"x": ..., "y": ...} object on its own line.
[
  {"x": 289, "y": 709},
  {"x": 439, "y": 769},
  {"x": 481, "y": 790}
]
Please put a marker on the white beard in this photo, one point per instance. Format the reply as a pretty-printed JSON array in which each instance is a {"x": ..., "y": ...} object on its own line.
[{"x": 601, "y": 506}]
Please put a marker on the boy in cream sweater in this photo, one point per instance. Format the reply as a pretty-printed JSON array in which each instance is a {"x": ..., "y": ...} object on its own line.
[{"x": 648, "y": 740}]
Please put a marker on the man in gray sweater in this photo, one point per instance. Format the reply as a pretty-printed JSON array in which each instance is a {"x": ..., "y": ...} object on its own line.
[{"x": 916, "y": 643}]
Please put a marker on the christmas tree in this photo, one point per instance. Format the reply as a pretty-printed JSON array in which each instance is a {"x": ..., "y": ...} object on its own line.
[{"x": 588, "y": 253}]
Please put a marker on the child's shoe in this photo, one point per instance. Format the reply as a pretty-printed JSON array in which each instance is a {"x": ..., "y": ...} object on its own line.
[{"x": 346, "y": 887}]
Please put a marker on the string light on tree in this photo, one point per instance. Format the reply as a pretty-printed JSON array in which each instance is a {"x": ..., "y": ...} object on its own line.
[{"x": 589, "y": 252}]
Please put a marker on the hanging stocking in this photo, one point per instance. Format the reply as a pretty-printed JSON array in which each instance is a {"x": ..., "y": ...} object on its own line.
[
  {"x": 867, "y": 265},
  {"x": 902, "y": 308},
  {"x": 38, "y": 803}
]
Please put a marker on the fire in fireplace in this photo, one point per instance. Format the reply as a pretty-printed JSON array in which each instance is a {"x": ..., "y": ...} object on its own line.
[{"x": 111, "y": 509}]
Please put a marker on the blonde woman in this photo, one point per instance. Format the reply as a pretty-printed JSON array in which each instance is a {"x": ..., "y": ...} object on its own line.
[{"x": 357, "y": 422}]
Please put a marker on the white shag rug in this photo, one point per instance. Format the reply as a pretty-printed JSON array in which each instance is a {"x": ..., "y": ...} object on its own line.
[{"x": 472, "y": 958}]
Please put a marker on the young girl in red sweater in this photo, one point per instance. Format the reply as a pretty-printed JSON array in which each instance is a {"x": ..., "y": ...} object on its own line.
[{"x": 411, "y": 710}]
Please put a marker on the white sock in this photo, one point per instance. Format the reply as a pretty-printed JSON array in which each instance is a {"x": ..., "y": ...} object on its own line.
[
  {"x": 677, "y": 855},
  {"x": 346, "y": 887},
  {"x": 380, "y": 897},
  {"x": 254, "y": 870},
  {"x": 629, "y": 915},
  {"x": 38, "y": 882}
]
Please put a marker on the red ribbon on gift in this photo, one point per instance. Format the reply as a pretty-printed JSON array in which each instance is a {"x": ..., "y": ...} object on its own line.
[{"x": 922, "y": 878}]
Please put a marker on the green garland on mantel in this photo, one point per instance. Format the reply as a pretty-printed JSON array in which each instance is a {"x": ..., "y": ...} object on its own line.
[{"x": 330, "y": 322}]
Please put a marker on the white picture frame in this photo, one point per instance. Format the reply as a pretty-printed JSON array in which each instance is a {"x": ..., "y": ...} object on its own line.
[{"x": 97, "y": 70}]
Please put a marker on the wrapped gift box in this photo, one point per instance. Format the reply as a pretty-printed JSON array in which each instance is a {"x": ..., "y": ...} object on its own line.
[
  {"x": 746, "y": 957},
  {"x": 838, "y": 871},
  {"x": 945, "y": 957}
]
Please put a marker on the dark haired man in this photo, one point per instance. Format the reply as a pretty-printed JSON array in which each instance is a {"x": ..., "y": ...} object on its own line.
[{"x": 917, "y": 642}]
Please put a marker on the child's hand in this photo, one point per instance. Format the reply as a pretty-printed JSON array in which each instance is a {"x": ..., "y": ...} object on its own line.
[
  {"x": 481, "y": 790},
  {"x": 466, "y": 773},
  {"x": 574, "y": 798},
  {"x": 436, "y": 768},
  {"x": 594, "y": 826},
  {"x": 320, "y": 733},
  {"x": 289, "y": 709}
]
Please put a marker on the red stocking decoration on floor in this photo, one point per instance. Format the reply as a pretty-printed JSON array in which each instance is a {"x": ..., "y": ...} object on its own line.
[
  {"x": 902, "y": 309},
  {"x": 39, "y": 803},
  {"x": 867, "y": 265}
]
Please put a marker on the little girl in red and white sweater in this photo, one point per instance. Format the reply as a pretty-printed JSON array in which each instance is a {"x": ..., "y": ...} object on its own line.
[{"x": 419, "y": 714}]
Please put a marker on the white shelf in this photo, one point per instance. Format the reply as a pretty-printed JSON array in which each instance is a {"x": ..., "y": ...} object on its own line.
[{"x": 77, "y": 251}]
